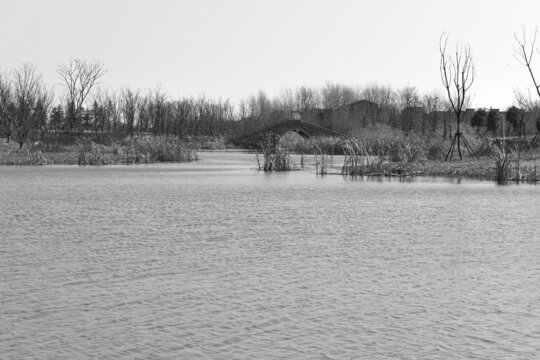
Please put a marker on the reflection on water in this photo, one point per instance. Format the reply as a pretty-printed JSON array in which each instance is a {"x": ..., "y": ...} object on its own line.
[{"x": 216, "y": 260}]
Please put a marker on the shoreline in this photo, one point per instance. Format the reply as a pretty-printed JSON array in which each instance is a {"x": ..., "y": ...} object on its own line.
[{"x": 484, "y": 169}]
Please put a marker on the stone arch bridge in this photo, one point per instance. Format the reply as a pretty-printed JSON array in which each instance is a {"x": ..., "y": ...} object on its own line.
[{"x": 302, "y": 128}]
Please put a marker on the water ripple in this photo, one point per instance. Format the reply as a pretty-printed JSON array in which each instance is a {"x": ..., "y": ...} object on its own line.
[{"x": 176, "y": 262}]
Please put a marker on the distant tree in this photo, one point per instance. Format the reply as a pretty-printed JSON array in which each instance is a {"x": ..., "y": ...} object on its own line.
[
  {"x": 388, "y": 101},
  {"x": 334, "y": 96},
  {"x": 157, "y": 107},
  {"x": 258, "y": 108},
  {"x": 41, "y": 112},
  {"x": 6, "y": 103},
  {"x": 492, "y": 121},
  {"x": 478, "y": 120},
  {"x": 79, "y": 77},
  {"x": 31, "y": 101},
  {"x": 432, "y": 104},
  {"x": 530, "y": 107},
  {"x": 536, "y": 136},
  {"x": 86, "y": 119},
  {"x": 130, "y": 105},
  {"x": 306, "y": 98},
  {"x": 515, "y": 117},
  {"x": 284, "y": 101},
  {"x": 408, "y": 98},
  {"x": 56, "y": 119}
]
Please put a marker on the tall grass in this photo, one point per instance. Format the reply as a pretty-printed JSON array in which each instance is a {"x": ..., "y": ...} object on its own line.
[
  {"x": 148, "y": 149},
  {"x": 384, "y": 151},
  {"x": 136, "y": 150},
  {"x": 275, "y": 157},
  {"x": 91, "y": 153},
  {"x": 32, "y": 154},
  {"x": 502, "y": 167},
  {"x": 511, "y": 167}
]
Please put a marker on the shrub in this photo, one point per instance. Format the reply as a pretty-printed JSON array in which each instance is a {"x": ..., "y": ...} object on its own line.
[{"x": 275, "y": 157}]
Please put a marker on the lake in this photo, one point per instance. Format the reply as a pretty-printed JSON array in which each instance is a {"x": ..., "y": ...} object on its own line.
[{"x": 215, "y": 260}]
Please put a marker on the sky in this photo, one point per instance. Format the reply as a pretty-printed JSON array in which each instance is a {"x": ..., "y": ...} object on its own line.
[{"x": 231, "y": 49}]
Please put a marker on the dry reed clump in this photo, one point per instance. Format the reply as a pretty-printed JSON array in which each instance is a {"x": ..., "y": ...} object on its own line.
[
  {"x": 28, "y": 155},
  {"x": 84, "y": 151},
  {"x": 91, "y": 153},
  {"x": 135, "y": 150},
  {"x": 511, "y": 167},
  {"x": 148, "y": 149},
  {"x": 361, "y": 159},
  {"x": 323, "y": 160},
  {"x": 502, "y": 168},
  {"x": 321, "y": 145},
  {"x": 275, "y": 157},
  {"x": 382, "y": 151},
  {"x": 483, "y": 146},
  {"x": 394, "y": 143}
]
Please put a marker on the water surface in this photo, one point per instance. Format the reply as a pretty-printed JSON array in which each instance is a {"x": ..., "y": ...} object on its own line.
[{"x": 215, "y": 260}]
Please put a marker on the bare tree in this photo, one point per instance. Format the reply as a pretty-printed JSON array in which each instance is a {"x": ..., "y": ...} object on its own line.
[
  {"x": 529, "y": 105},
  {"x": 130, "y": 105},
  {"x": 409, "y": 101},
  {"x": 6, "y": 101},
  {"x": 334, "y": 95},
  {"x": 524, "y": 54},
  {"x": 457, "y": 75},
  {"x": 387, "y": 100},
  {"x": 433, "y": 104},
  {"x": 79, "y": 77},
  {"x": 285, "y": 101},
  {"x": 306, "y": 98},
  {"x": 31, "y": 102}
]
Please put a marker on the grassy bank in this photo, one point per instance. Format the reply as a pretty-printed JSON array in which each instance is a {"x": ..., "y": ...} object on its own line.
[
  {"x": 384, "y": 151},
  {"x": 99, "y": 150}
]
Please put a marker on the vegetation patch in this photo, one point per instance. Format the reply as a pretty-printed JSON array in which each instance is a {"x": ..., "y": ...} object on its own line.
[{"x": 85, "y": 151}]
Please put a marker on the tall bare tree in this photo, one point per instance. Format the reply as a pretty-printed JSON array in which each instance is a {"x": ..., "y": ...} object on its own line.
[
  {"x": 31, "y": 102},
  {"x": 130, "y": 105},
  {"x": 79, "y": 77},
  {"x": 524, "y": 54},
  {"x": 409, "y": 101},
  {"x": 457, "y": 75}
]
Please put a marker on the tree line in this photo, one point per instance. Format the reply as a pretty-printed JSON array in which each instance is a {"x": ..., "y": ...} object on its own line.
[{"x": 28, "y": 108}]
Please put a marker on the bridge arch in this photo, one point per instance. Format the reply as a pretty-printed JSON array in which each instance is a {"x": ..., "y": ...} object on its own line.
[{"x": 302, "y": 128}]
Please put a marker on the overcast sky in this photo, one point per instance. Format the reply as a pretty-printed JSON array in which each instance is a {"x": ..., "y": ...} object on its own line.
[{"x": 233, "y": 48}]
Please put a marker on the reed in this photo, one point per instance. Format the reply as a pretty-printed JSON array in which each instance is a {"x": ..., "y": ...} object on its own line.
[
  {"x": 25, "y": 156},
  {"x": 136, "y": 150},
  {"x": 322, "y": 164},
  {"x": 275, "y": 157},
  {"x": 148, "y": 149},
  {"x": 388, "y": 157},
  {"x": 511, "y": 166},
  {"x": 502, "y": 168},
  {"x": 91, "y": 153}
]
